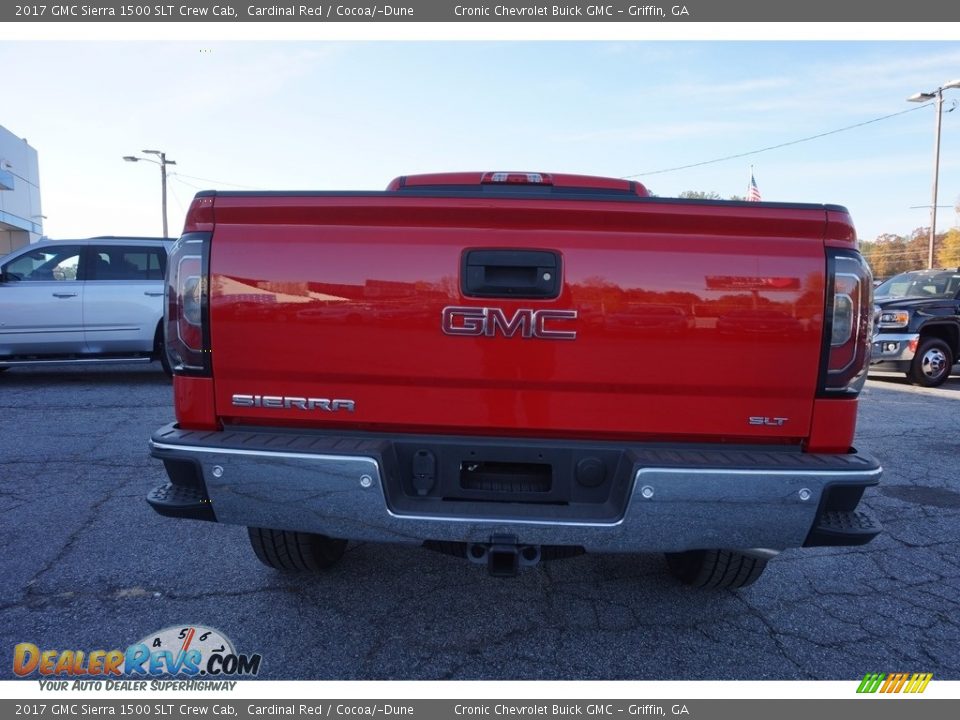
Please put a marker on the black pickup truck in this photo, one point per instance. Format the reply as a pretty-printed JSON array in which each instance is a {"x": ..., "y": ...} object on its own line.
[{"x": 918, "y": 325}]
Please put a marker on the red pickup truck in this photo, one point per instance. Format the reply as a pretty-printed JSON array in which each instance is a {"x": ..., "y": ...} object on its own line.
[{"x": 518, "y": 366}]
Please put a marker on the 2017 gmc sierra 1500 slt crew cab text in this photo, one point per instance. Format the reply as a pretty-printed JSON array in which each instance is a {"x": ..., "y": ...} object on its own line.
[{"x": 518, "y": 366}]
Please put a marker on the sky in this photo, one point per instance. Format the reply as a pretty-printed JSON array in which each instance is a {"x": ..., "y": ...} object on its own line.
[{"x": 315, "y": 115}]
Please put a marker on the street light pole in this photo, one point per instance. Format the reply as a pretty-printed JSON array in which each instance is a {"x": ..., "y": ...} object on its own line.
[
  {"x": 938, "y": 108},
  {"x": 163, "y": 184},
  {"x": 162, "y": 162}
]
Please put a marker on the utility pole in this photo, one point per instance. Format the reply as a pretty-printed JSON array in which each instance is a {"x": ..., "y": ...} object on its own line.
[
  {"x": 936, "y": 95},
  {"x": 162, "y": 162}
]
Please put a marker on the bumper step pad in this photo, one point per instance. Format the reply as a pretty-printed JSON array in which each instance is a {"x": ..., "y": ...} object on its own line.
[
  {"x": 181, "y": 502},
  {"x": 843, "y": 527}
]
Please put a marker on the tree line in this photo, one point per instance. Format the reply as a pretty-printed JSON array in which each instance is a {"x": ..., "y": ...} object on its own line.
[{"x": 890, "y": 254}]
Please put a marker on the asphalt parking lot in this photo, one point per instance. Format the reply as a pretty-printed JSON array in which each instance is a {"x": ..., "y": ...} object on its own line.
[{"x": 87, "y": 564}]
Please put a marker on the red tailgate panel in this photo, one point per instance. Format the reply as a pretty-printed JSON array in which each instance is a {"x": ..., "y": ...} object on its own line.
[{"x": 692, "y": 319}]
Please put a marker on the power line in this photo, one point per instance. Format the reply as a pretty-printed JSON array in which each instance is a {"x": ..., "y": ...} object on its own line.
[
  {"x": 215, "y": 182},
  {"x": 776, "y": 147},
  {"x": 895, "y": 254},
  {"x": 184, "y": 182},
  {"x": 177, "y": 199}
]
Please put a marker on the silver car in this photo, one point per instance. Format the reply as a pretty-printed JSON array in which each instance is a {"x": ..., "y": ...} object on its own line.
[{"x": 80, "y": 301}]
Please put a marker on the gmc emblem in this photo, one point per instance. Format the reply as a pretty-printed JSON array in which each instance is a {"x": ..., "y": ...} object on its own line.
[{"x": 490, "y": 322}]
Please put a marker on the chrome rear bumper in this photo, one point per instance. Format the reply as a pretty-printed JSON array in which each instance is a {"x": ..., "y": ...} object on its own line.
[{"x": 689, "y": 500}]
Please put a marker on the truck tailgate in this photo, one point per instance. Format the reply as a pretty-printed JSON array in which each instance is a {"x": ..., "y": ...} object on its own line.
[{"x": 679, "y": 320}]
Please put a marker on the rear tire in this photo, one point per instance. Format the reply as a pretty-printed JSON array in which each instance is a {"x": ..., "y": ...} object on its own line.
[
  {"x": 715, "y": 568},
  {"x": 160, "y": 351},
  {"x": 165, "y": 364},
  {"x": 932, "y": 364},
  {"x": 295, "y": 551}
]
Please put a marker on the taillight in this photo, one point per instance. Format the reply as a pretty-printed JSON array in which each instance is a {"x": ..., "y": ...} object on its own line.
[
  {"x": 186, "y": 314},
  {"x": 848, "y": 323}
]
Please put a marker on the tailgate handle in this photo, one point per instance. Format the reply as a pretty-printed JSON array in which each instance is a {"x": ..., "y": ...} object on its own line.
[{"x": 510, "y": 273}]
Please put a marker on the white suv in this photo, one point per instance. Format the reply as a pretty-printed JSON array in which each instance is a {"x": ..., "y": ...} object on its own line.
[{"x": 79, "y": 301}]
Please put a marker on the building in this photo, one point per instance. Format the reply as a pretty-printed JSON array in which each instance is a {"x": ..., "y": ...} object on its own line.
[{"x": 21, "y": 220}]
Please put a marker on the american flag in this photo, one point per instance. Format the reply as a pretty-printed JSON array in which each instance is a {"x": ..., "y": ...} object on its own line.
[{"x": 753, "y": 192}]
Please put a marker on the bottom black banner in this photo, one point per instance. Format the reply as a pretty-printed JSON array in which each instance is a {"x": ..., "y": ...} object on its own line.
[{"x": 868, "y": 708}]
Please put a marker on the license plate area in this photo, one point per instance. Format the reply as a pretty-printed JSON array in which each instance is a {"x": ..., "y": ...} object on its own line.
[
  {"x": 487, "y": 477},
  {"x": 506, "y": 478}
]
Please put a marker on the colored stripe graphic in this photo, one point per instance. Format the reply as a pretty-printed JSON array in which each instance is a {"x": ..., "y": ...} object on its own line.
[
  {"x": 898, "y": 684},
  {"x": 919, "y": 682},
  {"x": 870, "y": 683},
  {"x": 894, "y": 682}
]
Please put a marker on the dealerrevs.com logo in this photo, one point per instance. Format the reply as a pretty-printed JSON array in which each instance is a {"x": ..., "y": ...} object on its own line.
[{"x": 192, "y": 651}]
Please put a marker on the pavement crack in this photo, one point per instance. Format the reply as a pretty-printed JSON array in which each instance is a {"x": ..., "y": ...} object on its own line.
[
  {"x": 31, "y": 592},
  {"x": 775, "y": 636}
]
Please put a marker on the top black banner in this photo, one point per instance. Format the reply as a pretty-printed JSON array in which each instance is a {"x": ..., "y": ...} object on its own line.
[{"x": 712, "y": 11}]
